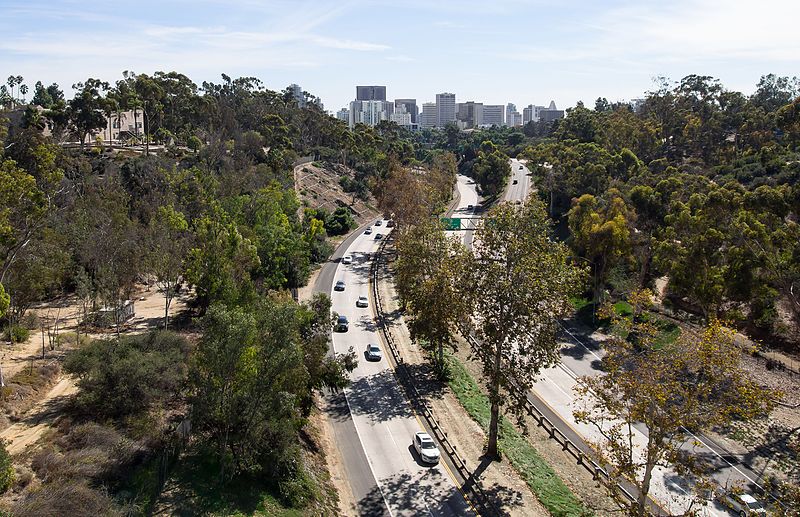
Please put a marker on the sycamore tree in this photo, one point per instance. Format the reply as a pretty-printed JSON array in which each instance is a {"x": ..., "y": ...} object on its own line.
[
  {"x": 170, "y": 241},
  {"x": 695, "y": 383},
  {"x": 428, "y": 278},
  {"x": 519, "y": 282}
]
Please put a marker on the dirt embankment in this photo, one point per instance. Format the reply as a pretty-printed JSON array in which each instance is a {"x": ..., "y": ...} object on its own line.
[{"x": 319, "y": 187}]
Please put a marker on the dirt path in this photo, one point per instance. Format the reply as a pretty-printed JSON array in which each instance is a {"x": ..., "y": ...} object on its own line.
[
  {"x": 499, "y": 480},
  {"x": 27, "y": 431}
]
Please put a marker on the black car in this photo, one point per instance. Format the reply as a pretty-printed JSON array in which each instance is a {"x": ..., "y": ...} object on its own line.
[
  {"x": 390, "y": 223},
  {"x": 342, "y": 325},
  {"x": 378, "y": 222},
  {"x": 339, "y": 286},
  {"x": 378, "y": 236}
]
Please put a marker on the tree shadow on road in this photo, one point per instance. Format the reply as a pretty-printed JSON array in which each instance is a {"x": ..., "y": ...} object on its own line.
[{"x": 378, "y": 397}]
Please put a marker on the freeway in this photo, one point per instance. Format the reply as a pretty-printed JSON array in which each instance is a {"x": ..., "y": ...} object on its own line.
[
  {"x": 554, "y": 394},
  {"x": 375, "y": 426},
  {"x": 519, "y": 184},
  {"x": 467, "y": 207}
]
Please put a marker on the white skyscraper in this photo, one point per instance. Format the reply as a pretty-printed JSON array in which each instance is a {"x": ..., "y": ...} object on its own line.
[
  {"x": 297, "y": 93},
  {"x": 493, "y": 114},
  {"x": 445, "y": 108},
  {"x": 370, "y": 113},
  {"x": 428, "y": 117}
]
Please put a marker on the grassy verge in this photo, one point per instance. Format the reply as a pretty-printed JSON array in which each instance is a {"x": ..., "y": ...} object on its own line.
[{"x": 540, "y": 477}]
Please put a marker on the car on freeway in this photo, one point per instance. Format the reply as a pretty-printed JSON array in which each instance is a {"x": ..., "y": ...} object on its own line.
[
  {"x": 347, "y": 259},
  {"x": 470, "y": 207},
  {"x": 515, "y": 182},
  {"x": 426, "y": 448},
  {"x": 373, "y": 352},
  {"x": 362, "y": 301},
  {"x": 378, "y": 236},
  {"x": 342, "y": 325},
  {"x": 520, "y": 167},
  {"x": 368, "y": 230},
  {"x": 378, "y": 222},
  {"x": 743, "y": 504},
  {"x": 390, "y": 223},
  {"x": 339, "y": 286}
]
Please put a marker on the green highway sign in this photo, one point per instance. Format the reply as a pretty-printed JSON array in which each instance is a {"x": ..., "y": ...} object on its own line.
[{"x": 451, "y": 223}]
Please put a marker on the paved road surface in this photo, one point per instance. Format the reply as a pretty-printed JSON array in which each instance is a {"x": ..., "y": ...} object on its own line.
[
  {"x": 359, "y": 475},
  {"x": 381, "y": 421},
  {"x": 518, "y": 191},
  {"x": 468, "y": 206}
]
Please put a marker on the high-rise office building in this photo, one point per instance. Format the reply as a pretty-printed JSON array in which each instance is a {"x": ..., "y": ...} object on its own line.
[
  {"x": 401, "y": 118},
  {"x": 343, "y": 114},
  {"x": 445, "y": 108},
  {"x": 367, "y": 112},
  {"x": 428, "y": 116},
  {"x": 511, "y": 108},
  {"x": 411, "y": 107},
  {"x": 470, "y": 114},
  {"x": 514, "y": 119},
  {"x": 531, "y": 113},
  {"x": 370, "y": 93},
  {"x": 297, "y": 93},
  {"x": 551, "y": 113},
  {"x": 493, "y": 114}
]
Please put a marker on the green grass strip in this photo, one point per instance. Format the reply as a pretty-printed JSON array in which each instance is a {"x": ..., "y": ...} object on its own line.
[{"x": 540, "y": 477}]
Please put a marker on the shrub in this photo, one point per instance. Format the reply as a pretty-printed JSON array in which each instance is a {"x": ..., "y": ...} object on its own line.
[
  {"x": 68, "y": 498},
  {"x": 6, "y": 468},
  {"x": 123, "y": 376},
  {"x": 16, "y": 334},
  {"x": 31, "y": 321}
]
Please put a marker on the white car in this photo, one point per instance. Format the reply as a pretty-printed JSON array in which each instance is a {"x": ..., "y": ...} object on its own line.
[
  {"x": 373, "y": 352},
  {"x": 426, "y": 448},
  {"x": 743, "y": 505},
  {"x": 362, "y": 301},
  {"x": 347, "y": 259},
  {"x": 368, "y": 230}
]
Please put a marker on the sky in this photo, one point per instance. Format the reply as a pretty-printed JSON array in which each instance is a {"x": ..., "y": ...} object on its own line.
[{"x": 491, "y": 51}]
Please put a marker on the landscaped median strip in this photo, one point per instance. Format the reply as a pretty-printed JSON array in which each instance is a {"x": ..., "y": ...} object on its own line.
[{"x": 540, "y": 477}]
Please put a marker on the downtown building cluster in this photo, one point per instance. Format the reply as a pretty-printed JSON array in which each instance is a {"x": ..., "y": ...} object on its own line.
[{"x": 370, "y": 107}]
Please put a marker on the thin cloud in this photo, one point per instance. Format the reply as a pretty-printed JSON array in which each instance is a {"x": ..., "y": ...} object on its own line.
[{"x": 401, "y": 59}]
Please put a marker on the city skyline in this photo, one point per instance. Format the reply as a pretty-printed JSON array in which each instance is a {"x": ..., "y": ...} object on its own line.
[{"x": 566, "y": 51}]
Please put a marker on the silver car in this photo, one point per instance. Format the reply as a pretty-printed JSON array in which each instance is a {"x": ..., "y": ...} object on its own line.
[
  {"x": 374, "y": 352},
  {"x": 362, "y": 301},
  {"x": 743, "y": 504}
]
